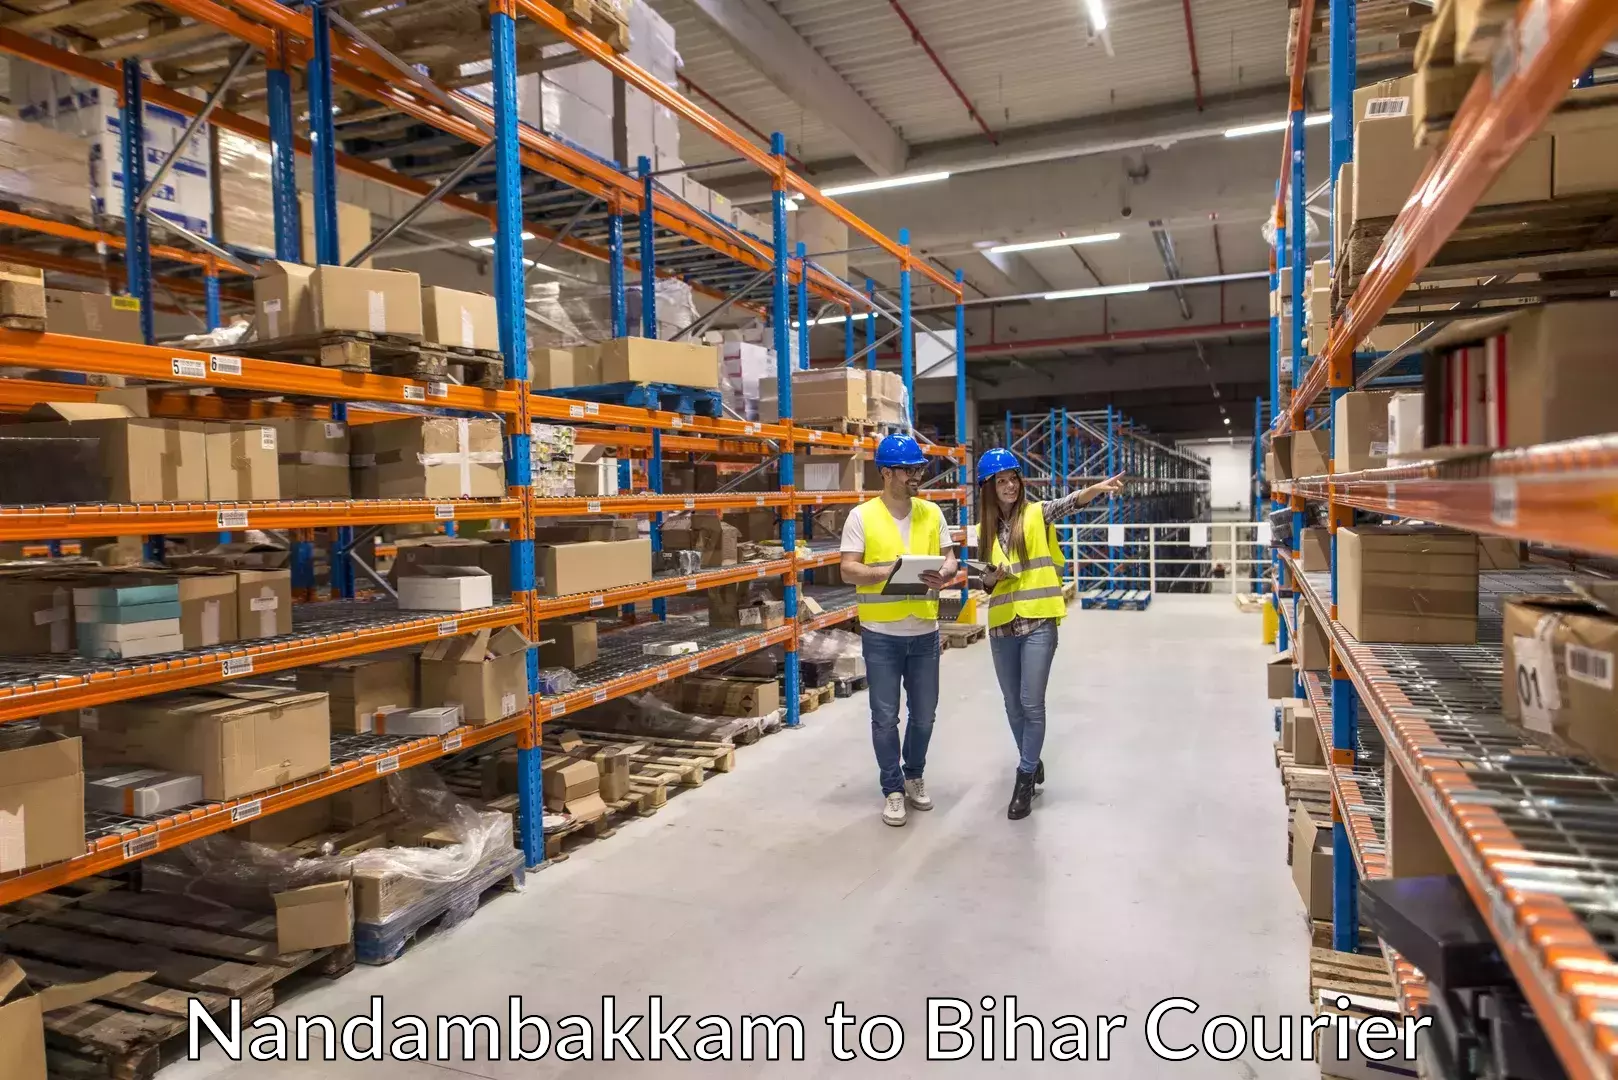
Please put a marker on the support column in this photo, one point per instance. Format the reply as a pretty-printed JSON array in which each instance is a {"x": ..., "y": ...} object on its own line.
[
  {"x": 283, "y": 156},
  {"x": 210, "y": 284},
  {"x": 322, "y": 139},
  {"x": 1300, "y": 257},
  {"x": 907, "y": 359},
  {"x": 509, "y": 290},
  {"x": 848, "y": 334},
  {"x": 137, "y": 239},
  {"x": 803, "y": 307},
  {"x": 870, "y": 325},
  {"x": 648, "y": 253},
  {"x": 963, "y": 434},
  {"x": 781, "y": 326},
  {"x": 615, "y": 273},
  {"x": 1344, "y": 61}
]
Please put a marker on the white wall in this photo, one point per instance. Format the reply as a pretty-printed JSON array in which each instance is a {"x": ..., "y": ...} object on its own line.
[{"x": 1230, "y": 465}]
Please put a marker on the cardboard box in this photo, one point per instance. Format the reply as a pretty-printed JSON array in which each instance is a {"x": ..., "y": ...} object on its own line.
[
  {"x": 690, "y": 478},
  {"x": 1412, "y": 846},
  {"x": 1343, "y": 205},
  {"x": 754, "y": 525},
  {"x": 710, "y": 696},
  {"x": 312, "y": 458},
  {"x": 349, "y": 298},
  {"x": 830, "y": 394},
  {"x": 36, "y": 612},
  {"x": 140, "y": 792},
  {"x": 1280, "y": 677},
  {"x": 286, "y": 827},
  {"x": 353, "y": 229},
  {"x": 592, "y": 566},
  {"x": 429, "y": 458},
  {"x": 427, "y": 720},
  {"x": 357, "y": 805},
  {"x": 145, "y": 459},
  {"x": 42, "y": 801},
  {"x": 93, "y": 315},
  {"x": 1398, "y": 583},
  {"x": 1312, "y": 650},
  {"x": 1315, "y": 549},
  {"x": 463, "y": 320},
  {"x": 493, "y": 559},
  {"x": 281, "y": 301},
  {"x": 552, "y": 369},
  {"x": 240, "y": 739},
  {"x": 1558, "y": 673},
  {"x": 572, "y": 784},
  {"x": 677, "y": 363},
  {"x": 485, "y": 674},
  {"x": 361, "y": 686},
  {"x": 1584, "y": 159},
  {"x": 569, "y": 643},
  {"x": 208, "y": 607},
  {"x": 754, "y": 615},
  {"x": 445, "y": 588},
  {"x": 612, "y": 765},
  {"x": 1558, "y": 372},
  {"x": 1499, "y": 553},
  {"x": 22, "y": 1016},
  {"x": 243, "y": 462},
  {"x": 1311, "y": 863},
  {"x": 1360, "y": 430},
  {"x": 263, "y": 603},
  {"x": 1306, "y": 748},
  {"x": 579, "y": 530},
  {"x": 1302, "y": 453},
  {"x": 832, "y": 472},
  {"x": 596, "y": 478},
  {"x": 705, "y": 533},
  {"x": 22, "y": 291},
  {"x": 236, "y": 555},
  {"x": 1387, "y": 167},
  {"x": 1406, "y": 424},
  {"x": 314, "y": 917}
]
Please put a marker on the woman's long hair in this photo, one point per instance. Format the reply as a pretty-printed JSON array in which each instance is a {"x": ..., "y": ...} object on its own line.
[{"x": 989, "y": 520}]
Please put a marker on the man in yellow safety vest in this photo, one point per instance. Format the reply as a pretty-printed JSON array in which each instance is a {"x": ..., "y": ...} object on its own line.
[{"x": 899, "y": 633}]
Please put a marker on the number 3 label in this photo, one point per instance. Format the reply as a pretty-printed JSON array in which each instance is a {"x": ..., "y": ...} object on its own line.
[{"x": 1535, "y": 672}]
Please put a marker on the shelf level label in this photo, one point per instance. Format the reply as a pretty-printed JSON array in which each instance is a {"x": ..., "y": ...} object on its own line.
[
  {"x": 388, "y": 764},
  {"x": 598, "y": 601},
  {"x": 599, "y": 696},
  {"x": 189, "y": 369},
  {"x": 233, "y": 519},
  {"x": 558, "y": 709},
  {"x": 225, "y": 365},
  {"x": 236, "y": 665},
  {"x": 592, "y": 507},
  {"x": 451, "y": 743},
  {"x": 1503, "y": 500},
  {"x": 246, "y": 811},
  {"x": 448, "y": 627},
  {"x": 444, "y": 512},
  {"x": 141, "y": 845},
  {"x": 438, "y": 389}
]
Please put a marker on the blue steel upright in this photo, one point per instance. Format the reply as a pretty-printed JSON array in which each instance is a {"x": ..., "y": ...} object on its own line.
[
  {"x": 509, "y": 289},
  {"x": 615, "y": 275},
  {"x": 907, "y": 358},
  {"x": 1344, "y": 60},
  {"x": 803, "y": 307},
  {"x": 961, "y": 438},
  {"x": 283, "y": 158},
  {"x": 1299, "y": 237},
  {"x": 870, "y": 325},
  {"x": 137, "y": 236},
  {"x": 322, "y": 139},
  {"x": 648, "y": 253},
  {"x": 848, "y": 335},
  {"x": 210, "y": 285},
  {"x": 781, "y": 327}
]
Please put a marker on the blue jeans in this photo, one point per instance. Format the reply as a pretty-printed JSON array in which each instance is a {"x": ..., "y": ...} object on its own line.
[
  {"x": 889, "y": 661},
  {"x": 1023, "y": 666}
]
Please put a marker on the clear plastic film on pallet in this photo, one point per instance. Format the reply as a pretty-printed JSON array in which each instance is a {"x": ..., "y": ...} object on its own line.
[
  {"x": 246, "y": 210},
  {"x": 226, "y": 871},
  {"x": 652, "y": 716},
  {"x": 573, "y": 312},
  {"x": 44, "y": 170}
]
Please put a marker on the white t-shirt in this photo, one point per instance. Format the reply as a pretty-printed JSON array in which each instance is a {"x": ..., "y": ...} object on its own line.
[{"x": 854, "y": 543}]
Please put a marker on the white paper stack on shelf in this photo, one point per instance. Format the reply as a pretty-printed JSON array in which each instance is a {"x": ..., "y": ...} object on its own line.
[
  {"x": 741, "y": 366},
  {"x": 91, "y": 113},
  {"x": 676, "y": 308}
]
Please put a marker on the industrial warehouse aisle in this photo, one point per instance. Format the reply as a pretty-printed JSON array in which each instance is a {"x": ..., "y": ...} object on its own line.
[{"x": 1150, "y": 869}]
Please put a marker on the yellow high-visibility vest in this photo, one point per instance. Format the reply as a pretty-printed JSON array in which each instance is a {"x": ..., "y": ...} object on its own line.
[
  {"x": 882, "y": 545},
  {"x": 1034, "y": 591}
]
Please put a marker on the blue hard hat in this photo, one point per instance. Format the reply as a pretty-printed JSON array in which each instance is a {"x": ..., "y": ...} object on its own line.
[
  {"x": 898, "y": 451},
  {"x": 996, "y": 461}
]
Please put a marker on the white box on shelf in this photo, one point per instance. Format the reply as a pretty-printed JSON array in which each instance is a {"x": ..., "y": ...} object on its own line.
[{"x": 446, "y": 588}]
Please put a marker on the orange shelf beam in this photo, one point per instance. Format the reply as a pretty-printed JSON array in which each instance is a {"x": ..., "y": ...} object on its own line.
[
  {"x": 109, "y": 853},
  {"x": 53, "y": 693},
  {"x": 581, "y": 603},
  {"x": 113, "y": 519}
]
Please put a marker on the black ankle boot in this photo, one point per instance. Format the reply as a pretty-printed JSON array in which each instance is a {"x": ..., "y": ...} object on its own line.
[
  {"x": 1022, "y": 797},
  {"x": 1039, "y": 772}
]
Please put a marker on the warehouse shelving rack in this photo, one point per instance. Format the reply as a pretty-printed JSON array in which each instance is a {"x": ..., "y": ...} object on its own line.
[
  {"x": 534, "y": 176},
  {"x": 1522, "y": 827},
  {"x": 1062, "y": 450}
]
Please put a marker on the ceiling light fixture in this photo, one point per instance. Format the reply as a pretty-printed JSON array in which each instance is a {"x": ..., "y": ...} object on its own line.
[
  {"x": 1271, "y": 126},
  {"x": 885, "y": 182},
  {"x": 1065, "y": 241},
  {"x": 1100, "y": 290},
  {"x": 488, "y": 241},
  {"x": 1098, "y": 15}
]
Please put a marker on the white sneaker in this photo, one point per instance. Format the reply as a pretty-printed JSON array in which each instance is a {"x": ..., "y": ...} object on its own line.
[
  {"x": 893, "y": 811},
  {"x": 916, "y": 794}
]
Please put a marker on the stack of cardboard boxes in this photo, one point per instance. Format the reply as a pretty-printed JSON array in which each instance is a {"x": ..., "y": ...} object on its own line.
[
  {"x": 642, "y": 360},
  {"x": 292, "y": 300},
  {"x": 1558, "y": 676}
]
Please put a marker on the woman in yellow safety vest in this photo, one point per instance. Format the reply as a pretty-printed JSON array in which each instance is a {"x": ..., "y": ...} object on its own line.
[{"x": 1017, "y": 539}]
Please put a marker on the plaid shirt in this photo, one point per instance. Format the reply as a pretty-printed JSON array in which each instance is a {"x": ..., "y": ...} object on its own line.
[{"x": 1053, "y": 511}]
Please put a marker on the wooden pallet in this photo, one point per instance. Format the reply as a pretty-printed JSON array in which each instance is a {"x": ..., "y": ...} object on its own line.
[
  {"x": 384, "y": 354},
  {"x": 960, "y": 635},
  {"x": 193, "y": 949},
  {"x": 383, "y": 943},
  {"x": 813, "y": 697},
  {"x": 33, "y": 324},
  {"x": 609, "y": 25}
]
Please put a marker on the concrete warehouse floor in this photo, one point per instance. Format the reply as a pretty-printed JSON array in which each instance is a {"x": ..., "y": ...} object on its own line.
[{"x": 1153, "y": 867}]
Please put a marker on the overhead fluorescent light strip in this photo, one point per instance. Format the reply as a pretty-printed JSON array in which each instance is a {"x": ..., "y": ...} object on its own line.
[
  {"x": 1272, "y": 126},
  {"x": 1065, "y": 241},
  {"x": 885, "y": 182},
  {"x": 488, "y": 241},
  {"x": 1099, "y": 290},
  {"x": 1098, "y": 15}
]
